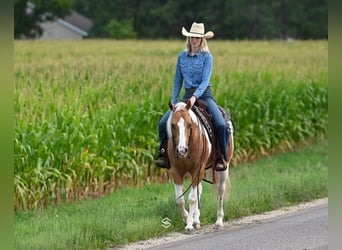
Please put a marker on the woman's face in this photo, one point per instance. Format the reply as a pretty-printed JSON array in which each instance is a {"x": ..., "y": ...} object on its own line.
[{"x": 195, "y": 42}]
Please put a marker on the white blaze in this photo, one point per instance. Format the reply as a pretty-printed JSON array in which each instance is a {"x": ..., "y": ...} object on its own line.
[{"x": 181, "y": 126}]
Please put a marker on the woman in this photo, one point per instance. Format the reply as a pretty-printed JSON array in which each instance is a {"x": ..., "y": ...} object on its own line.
[{"x": 194, "y": 66}]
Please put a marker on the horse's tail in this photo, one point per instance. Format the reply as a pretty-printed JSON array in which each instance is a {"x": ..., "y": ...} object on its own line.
[{"x": 228, "y": 188}]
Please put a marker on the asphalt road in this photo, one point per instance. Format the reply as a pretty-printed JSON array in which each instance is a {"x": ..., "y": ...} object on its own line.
[{"x": 302, "y": 230}]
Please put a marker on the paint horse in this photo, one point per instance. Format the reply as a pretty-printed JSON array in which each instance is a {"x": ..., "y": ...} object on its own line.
[{"x": 189, "y": 151}]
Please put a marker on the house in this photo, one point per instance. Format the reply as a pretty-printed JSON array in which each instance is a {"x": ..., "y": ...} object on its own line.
[{"x": 72, "y": 26}]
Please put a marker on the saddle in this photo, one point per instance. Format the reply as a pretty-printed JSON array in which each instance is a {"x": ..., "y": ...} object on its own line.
[{"x": 200, "y": 109}]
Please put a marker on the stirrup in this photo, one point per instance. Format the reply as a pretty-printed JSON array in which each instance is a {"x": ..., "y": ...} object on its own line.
[{"x": 221, "y": 164}]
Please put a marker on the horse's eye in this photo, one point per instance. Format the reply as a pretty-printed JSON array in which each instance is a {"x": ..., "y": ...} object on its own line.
[{"x": 189, "y": 126}]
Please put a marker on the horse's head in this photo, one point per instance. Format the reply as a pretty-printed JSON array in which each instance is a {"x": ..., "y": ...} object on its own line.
[{"x": 180, "y": 127}]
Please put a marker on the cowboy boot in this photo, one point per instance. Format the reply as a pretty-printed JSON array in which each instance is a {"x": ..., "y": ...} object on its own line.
[
  {"x": 221, "y": 157},
  {"x": 162, "y": 159},
  {"x": 221, "y": 163}
]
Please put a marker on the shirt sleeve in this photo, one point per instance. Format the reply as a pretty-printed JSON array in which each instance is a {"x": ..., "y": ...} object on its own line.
[
  {"x": 207, "y": 69},
  {"x": 178, "y": 81}
]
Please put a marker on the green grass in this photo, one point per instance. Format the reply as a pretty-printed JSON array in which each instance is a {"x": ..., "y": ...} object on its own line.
[{"x": 135, "y": 213}]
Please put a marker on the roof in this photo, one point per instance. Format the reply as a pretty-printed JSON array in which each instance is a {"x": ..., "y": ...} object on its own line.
[
  {"x": 79, "y": 21},
  {"x": 74, "y": 21}
]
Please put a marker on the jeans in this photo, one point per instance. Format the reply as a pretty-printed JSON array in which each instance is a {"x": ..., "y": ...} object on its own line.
[{"x": 220, "y": 124}]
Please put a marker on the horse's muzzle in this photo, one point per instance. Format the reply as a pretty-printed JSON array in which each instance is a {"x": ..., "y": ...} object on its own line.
[{"x": 182, "y": 152}]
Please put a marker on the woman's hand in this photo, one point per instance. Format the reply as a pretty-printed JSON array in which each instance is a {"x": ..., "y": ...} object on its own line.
[{"x": 193, "y": 100}]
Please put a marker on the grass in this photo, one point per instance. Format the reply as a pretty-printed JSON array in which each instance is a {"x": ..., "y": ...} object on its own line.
[{"x": 135, "y": 213}]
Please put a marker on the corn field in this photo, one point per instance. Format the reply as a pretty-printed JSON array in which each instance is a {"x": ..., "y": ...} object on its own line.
[{"x": 87, "y": 112}]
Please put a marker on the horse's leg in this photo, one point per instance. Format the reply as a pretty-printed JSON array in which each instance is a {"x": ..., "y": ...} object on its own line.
[
  {"x": 193, "y": 206},
  {"x": 178, "y": 179},
  {"x": 223, "y": 184},
  {"x": 197, "y": 223},
  {"x": 180, "y": 200}
]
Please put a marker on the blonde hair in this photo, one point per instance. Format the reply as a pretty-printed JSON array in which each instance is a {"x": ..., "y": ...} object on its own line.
[{"x": 204, "y": 45}]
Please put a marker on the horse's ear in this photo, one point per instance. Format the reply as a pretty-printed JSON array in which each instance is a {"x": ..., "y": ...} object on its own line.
[
  {"x": 171, "y": 106},
  {"x": 188, "y": 104}
]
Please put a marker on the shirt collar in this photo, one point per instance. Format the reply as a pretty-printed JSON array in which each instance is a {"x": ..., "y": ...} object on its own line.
[{"x": 196, "y": 54}]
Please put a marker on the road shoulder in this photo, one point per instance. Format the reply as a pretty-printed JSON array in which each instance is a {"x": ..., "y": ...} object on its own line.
[{"x": 228, "y": 225}]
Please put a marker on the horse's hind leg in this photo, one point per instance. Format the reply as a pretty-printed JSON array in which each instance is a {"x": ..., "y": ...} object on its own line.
[{"x": 223, "y": 184}]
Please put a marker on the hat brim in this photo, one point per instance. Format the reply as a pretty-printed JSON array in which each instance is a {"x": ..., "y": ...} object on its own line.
[{"x": 207, "y": 35}]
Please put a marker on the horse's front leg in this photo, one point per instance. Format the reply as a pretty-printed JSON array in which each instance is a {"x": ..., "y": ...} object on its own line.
[
  {"x": 180, "y": 201},
  {"x": 197, "y": 223},
  {"x": 194, "y": 213},
  {"x": 222, "y": 187}
]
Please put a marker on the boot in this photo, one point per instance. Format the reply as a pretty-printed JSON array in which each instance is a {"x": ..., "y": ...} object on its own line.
[
  {"x": 221, "y": 160},
  {"x": 162, "y": 160}
]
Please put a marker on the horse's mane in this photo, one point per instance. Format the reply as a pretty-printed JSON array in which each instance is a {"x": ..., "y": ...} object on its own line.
[{"x": 181, "y": 106}]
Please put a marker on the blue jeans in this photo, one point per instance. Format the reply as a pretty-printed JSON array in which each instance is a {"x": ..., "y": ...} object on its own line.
[{"x": 220, "y": 124}]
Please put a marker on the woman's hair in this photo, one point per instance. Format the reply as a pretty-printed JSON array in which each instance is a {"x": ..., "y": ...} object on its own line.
[{"x": 204, "y": 45}]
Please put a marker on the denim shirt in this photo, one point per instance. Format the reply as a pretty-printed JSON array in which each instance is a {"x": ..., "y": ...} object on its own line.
[{"x": 194, "y": 70}]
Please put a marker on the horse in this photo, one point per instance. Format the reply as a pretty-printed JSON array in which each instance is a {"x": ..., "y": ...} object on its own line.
[{"x": 190, "y": 151}]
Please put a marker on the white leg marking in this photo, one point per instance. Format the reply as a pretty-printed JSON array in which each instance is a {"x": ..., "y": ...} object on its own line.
[
  {"x": 193, "y": 206},
  {"x": 222, "y": 185},
  {"x": 197, "y": 213},
  {"x": 180, "y": 201}
]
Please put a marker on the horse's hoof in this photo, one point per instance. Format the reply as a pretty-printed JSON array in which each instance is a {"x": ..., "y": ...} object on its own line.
[
  {"x": 189, "y": 231},
  {"x": 197, "y": 226},
  {"x": 218, "y": 226}
]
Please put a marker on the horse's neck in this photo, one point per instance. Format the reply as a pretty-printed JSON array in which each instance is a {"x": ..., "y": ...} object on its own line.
[{"x": 203, "y": 133}]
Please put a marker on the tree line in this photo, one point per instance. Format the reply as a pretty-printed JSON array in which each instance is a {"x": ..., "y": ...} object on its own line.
[{"x": 153, "y": 19}]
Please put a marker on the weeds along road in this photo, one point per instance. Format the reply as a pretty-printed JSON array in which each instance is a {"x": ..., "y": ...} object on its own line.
[{"x": 297, "y": 227}]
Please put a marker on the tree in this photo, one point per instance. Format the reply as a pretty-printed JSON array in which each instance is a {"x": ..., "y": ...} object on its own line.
[
  {"x": 120, "y": 30},
  {"x": 102, "y": 12},
  {"x": 229, "y": 19},
  {"x": 308, "y": 19},
  {"x": 28, "y": 15}
]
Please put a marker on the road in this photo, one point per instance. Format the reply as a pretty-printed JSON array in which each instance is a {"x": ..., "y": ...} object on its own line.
[{"x": 304, "y": 229}]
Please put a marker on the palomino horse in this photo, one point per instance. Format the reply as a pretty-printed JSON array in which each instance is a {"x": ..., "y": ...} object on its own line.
[{"x": 189, "y": 151}]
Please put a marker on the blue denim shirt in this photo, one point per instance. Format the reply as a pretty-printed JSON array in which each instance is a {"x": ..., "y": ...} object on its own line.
[{"x": 195, "y": 71}]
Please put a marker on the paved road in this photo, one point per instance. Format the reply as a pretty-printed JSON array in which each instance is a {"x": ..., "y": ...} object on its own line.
[{"x": 302, "y": 230}]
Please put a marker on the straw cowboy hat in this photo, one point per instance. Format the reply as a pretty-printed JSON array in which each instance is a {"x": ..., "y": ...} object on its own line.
[{"x": 197, "y": 30}]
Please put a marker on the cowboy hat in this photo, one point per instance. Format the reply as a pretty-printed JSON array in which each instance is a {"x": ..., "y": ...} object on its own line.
[{"x": 197, "y": 30}]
